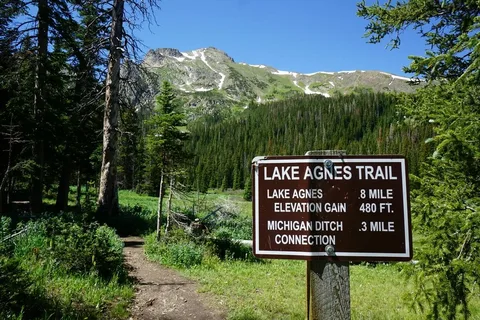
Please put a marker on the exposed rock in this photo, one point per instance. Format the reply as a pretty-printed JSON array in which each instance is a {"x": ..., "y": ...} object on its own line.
[{"x": 209, "y": 79}]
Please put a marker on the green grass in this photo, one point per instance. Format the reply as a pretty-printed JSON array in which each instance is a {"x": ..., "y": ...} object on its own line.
[
  {"x": 271, "y": 290},
  {"x": 130, "y": 198},
  {"x": 64, "y": 267},
  {"x": 201, "y": 203},
  {"x": 89, "y": 296},
  {"x": 378, "y": 292},
  {"x": 318, "y": 85},
  {"x": 276, "y": 289}
]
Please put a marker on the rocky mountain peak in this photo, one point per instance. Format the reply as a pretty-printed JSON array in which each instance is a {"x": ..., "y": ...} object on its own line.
[
  {"x": 218, "y": 51},
  {"x": 156, "y": 56},
  {"x": 208, "y": 76}
]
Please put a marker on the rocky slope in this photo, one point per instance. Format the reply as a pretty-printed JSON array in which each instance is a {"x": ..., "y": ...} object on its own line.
[{"x": 207, "y": 77}]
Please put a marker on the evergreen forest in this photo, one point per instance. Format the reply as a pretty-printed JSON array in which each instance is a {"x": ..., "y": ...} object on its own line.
[
  {"x": 364, "y": 123},
  {"x": 76, "y": 130}
]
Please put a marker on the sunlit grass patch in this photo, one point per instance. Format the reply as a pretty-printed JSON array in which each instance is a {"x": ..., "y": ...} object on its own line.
[
  {"x": 64, "y": 267},
  {"x": 276, "y": 289},
  {"x": 131, "y": 198},
  {"x": 103, "y": 299},
  {"x": 270, "y": 290}
]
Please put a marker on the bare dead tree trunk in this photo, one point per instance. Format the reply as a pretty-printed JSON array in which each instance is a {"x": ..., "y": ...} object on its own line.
[
  {"x": 39, "y": 105},
  {"x": 159, "y": 206},
  {"x": 108, "y": 194},
  {"x": 169, "y": 204}
]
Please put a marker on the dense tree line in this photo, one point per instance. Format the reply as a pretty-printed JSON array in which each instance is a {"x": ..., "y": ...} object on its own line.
[
  {"x": 446, "y": 198},
  {"x": 51, "y": 85},
  {"x": 361, "y": 123},
  {"x": 59, "y": 71}
]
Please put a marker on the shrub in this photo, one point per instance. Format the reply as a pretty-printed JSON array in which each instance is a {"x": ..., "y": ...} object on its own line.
[
  {"x": 33, "y": 243},
  {"x": 5, "y": 230},
  {"x": 14, "y": 288},
  {"x": 131, "y": 220},
  {"x": 19, "y": 297},
  {"x": 87, "y": 247},
  {"x": 73, "y": 246},
  {"x": 225, "y": 248},
  {"x": 184, "y": 254},
  {"x": 238, "y": 227}
]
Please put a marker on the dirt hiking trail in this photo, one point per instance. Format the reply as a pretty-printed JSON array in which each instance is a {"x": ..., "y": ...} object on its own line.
[{"x": 161, "y": 293}]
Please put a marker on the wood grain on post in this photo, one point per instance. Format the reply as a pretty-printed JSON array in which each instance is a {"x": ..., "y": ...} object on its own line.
[
  {"x": 329, "y": 290},
  {"x": 328, "y": 282}
]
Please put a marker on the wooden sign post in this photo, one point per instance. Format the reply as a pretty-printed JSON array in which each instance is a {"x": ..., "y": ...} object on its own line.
[
  {"x": 328, "y": 283},
  {"x": 331, "y": 209}
]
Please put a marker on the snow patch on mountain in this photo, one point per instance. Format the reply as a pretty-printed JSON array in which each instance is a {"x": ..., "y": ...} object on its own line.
[
  {"x": 261, "y": 66},
  {"x": 191, "y": 57},
  {"x": 202, "y": 89},
  {"x": 222, "y": 76},
  {"x": 183, "y": 89},
  {"x": 314, "y": 73},
  {"x": 331, "y": 83},
  {"x": 308, "y": 91},
  {"x": 190, "y": 76},
  {"x": 222, "y": 80},
  {"x": 396, "y": 77},
  {"x": 350, "y": 71},
  {"x": 181, "y": 59},
  {"x": 283, "y": 73}
]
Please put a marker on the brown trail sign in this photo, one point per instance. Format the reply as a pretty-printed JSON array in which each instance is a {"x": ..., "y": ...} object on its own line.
[
  {"x": 337, "y": 208},
  {"x": 329, "y": 209}
]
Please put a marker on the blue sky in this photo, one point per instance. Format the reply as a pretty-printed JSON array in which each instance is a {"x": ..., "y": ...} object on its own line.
[{"x": 295, "y": 35}]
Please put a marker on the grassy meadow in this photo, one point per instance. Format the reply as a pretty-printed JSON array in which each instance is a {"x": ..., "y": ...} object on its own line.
[
  {"x": 276, "y": 289},
  {"x": 62, "y": 267}
]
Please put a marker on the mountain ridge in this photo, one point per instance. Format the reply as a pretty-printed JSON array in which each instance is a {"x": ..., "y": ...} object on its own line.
[{"x": 209, "y": 76}]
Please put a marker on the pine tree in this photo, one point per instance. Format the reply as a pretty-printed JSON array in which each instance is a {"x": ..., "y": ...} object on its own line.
[
  {"x": 446, "y": 198},
  {"x": 165, "y": 143}
]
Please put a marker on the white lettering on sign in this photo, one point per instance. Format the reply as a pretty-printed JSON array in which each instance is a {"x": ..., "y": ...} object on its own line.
[
  {"x": 282, "y": 173},
  {"x": 290, "y": 225},
  {"x": 297, "y": 207},
  {"x": 309, "y": 207},
  {"x": 328, "y": 225},
  {"x": 380, "y": 194},
  {"x": 322, "y": 173},
  {"x": 278, "y": 194},
  {"x": 302, "y": 204},
  {"x": 382, "y": 226},
  {"x": 336, "y": 172},
  {"x": 379, "y": 173},
  {"x": 307, "y": 194},
  {"x": 385, "y": 207},
  {"x": 382, "y": 207},
  {"x": 305, "y": 240},
  {"x": 335, "y": 207},
  {"x": 281, "y": 225}
]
